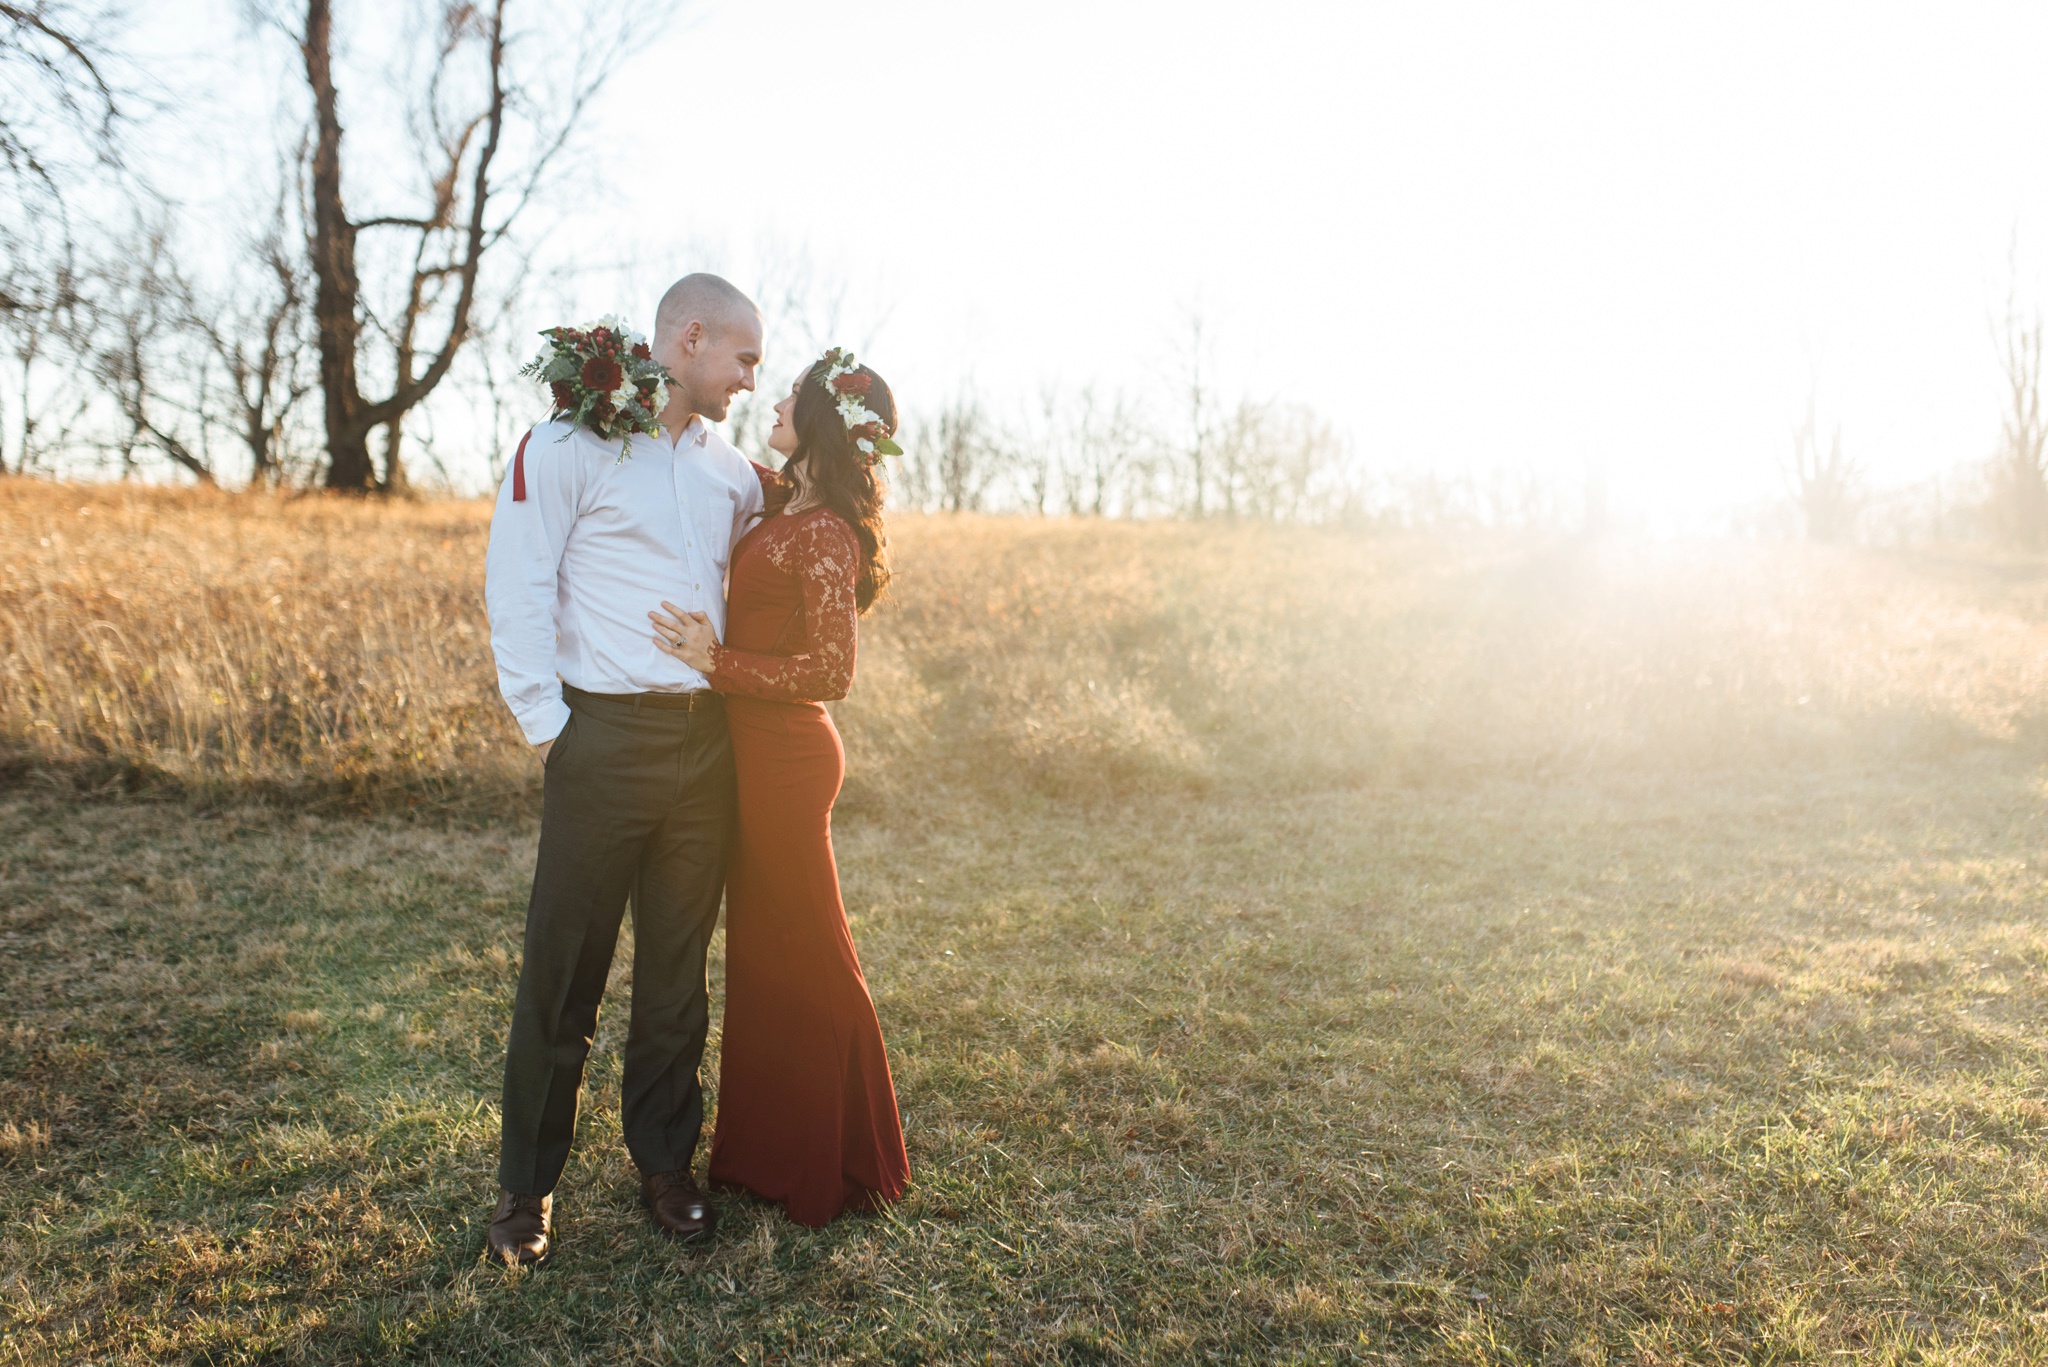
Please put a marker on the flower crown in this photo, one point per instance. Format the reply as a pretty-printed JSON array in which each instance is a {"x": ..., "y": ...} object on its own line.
[{"x": 849, "y": 391}]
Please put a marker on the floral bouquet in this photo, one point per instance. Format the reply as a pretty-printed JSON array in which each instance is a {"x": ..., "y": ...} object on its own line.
[{"x": 603, "y": 377}]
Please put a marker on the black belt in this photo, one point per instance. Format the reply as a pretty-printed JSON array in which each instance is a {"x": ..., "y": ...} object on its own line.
[{"x": 696, "y": 700}]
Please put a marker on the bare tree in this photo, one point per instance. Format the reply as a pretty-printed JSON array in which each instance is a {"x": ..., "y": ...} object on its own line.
[
  {"x": 1096, "y": 444},
  {"x": 1242, "y": 459},
  {"x": 2018, "y": 475},
  {"x": 43, "y": 315},
  {"x": 1302, "y": 465},
  {"x": 338, "y": 295},
  {"x": 261, "y": 345},
  {"x": 142, "y": 358},
  {"x": 1277, "y": 461},
  {"x": 460, "y": 126},
  {"x": 1039, "y": 452},
  {"x": 1200, "y": 405},
  {"x": 54, "y": 89},
  {"x": 136, "y": 328},
  {"x": 958, "y": 460},
  {"x": 1826, "y": 485},
  {"x": 59, "y": 111},
  {"x": 1083, "y": 489}
]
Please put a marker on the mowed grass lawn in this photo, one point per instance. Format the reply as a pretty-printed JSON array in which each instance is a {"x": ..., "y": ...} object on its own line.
[{"x": 1734, "y": 1066}]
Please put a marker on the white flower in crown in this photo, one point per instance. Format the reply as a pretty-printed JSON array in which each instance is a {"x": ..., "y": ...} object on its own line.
[{"x": 849, "y": 391}]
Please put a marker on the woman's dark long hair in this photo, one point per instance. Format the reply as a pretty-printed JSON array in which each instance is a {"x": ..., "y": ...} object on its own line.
[{"x": 839, "y": 474}]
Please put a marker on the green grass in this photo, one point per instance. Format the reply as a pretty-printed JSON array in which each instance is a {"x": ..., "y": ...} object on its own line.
[{"x": 1736, "y": 1068}]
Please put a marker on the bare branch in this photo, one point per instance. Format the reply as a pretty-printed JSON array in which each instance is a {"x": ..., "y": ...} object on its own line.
[{"x": 422, "y": 224}]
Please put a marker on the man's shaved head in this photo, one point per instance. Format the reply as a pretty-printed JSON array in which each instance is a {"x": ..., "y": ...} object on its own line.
[
  {"x": 708, "y": 335},
  {"x": 703, "y": 298}
]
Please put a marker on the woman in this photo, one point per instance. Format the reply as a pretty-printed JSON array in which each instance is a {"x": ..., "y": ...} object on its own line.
[{"x": 806, "y": 1108}]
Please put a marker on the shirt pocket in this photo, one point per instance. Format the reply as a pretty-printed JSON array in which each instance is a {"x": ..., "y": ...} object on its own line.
[{"x": 712, "y": 517}]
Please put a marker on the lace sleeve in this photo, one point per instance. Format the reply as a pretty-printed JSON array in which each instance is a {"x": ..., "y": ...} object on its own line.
[{"x": 824, "y": 555}]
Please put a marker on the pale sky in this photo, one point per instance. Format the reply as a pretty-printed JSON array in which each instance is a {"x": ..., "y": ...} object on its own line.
[{"x": 1474, "y": 234}]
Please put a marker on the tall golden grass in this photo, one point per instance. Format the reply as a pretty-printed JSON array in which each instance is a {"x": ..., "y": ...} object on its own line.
[
  {"x": 313, "y": 648},
  {"x": 221, "y": 642}
]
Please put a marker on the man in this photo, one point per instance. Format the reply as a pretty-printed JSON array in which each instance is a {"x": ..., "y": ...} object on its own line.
[{"x": 638, "y": 786}]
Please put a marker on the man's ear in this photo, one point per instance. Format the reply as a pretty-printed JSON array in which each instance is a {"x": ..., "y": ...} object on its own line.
[{"x": 693, "y": 337}]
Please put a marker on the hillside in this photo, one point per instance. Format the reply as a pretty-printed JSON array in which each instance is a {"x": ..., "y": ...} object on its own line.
[{"x": 338, "y": 651}]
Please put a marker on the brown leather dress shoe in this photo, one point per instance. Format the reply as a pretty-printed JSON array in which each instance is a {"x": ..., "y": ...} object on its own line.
[
  {"x": 522, "y": 1231},
  {"x": 678, "y": 1205}
]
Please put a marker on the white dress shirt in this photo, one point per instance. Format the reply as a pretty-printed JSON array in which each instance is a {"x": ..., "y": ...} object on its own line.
[{"x": 599, "y": 541}]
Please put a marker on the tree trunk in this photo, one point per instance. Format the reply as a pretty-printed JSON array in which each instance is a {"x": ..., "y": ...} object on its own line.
[
  {"x": 257, "y": 434},
  {"x": 348, "y": 461},
  {"x": 395, "y": 481},
  {"x": 338, "y": 290}
]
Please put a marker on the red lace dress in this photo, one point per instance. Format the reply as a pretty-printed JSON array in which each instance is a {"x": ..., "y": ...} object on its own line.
[{"x": 806, "y": 1107}]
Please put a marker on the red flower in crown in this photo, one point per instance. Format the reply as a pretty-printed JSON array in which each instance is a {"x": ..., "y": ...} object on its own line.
[{"x": 852, "y": 382}]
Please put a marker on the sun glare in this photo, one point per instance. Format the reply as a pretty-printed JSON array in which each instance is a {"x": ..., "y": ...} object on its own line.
[{"x": 1589, "y": 237}]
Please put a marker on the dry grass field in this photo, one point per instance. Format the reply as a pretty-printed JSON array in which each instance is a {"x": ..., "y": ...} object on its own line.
[
  {"x": 1293, "y": 946},
  {"x": 337, "y": 654}
]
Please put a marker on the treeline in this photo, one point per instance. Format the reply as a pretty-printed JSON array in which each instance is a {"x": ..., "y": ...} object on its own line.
[
  {"x": 2001, "y": 498},
  {"x": 352, "y": 317},
  {"x": 1082, "y": 453},
  {"x": 351, "y": 297}
]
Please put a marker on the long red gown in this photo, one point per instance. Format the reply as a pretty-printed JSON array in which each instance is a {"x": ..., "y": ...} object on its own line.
[{"x": 806, "y": 1107}]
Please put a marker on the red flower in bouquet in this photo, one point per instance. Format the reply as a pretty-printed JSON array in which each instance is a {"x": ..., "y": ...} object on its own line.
[{"x": 601, "y": 374}]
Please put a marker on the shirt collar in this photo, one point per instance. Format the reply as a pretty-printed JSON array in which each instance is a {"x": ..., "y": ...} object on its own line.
[{"x": 695, "y": 432}]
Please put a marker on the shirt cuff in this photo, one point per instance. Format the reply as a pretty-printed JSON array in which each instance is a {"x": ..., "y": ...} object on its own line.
[{"x": 544, "y": 722}]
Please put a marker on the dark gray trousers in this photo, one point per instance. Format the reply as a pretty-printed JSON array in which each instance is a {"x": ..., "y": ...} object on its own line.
[{"x": 638, "y": 802}]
